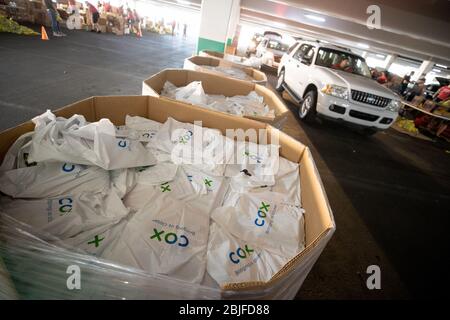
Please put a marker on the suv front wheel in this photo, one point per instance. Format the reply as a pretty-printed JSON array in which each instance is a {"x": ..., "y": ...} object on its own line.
[{"x": 307, "y": 110}]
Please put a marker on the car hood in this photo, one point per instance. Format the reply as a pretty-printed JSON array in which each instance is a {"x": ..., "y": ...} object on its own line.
[
  {"x": 442, "y": 81},
  {"x": 359, "y": 83}
]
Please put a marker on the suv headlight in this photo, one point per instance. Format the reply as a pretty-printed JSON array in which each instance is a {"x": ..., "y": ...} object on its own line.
[
  {"x": 394, "y": 106},
  {"x": 336, "y": 91}
]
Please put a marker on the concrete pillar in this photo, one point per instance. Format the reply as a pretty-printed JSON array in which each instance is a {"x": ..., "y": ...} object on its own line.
[
  {"x": 234, "y": 20},
  {"x": 424, "y": 68},
  {"x": 389, "y": 61},
  {"x": 214, "y": 21}
]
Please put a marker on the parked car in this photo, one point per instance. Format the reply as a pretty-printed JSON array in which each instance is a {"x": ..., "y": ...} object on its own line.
[
  {"x": 433, "y": 87},
  {"x": 257, "y": 38},
  {"x": 270, "y": 50},
  {"x": 333, "y": 82}
]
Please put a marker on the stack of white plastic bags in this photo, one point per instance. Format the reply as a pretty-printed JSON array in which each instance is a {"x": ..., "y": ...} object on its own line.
[
  {"x": 172, "y": 199},
  {"x": 231, "y": 72},
  {"x": 249, "y": 105}
]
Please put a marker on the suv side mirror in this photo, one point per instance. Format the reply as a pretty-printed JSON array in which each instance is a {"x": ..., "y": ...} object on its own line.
[{"x": 306, "y": 61}]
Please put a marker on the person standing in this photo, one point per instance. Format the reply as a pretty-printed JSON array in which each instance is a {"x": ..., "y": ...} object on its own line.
[
  {"x": 174, "y": 24},
  {"x": 184, "y": 30},
  {"x": 405, "y": 81},
  {"x": 53, "y": 13},
  {"x": 137, "y": 23},
  {"x": 442, "y": 94},
  {"x": 95, "y": 16}
]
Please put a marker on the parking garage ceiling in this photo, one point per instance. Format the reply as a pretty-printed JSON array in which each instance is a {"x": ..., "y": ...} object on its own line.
[{"x": 415, "y": 29}]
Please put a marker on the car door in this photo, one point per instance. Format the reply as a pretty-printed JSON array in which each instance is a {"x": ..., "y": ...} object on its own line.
[
  {"x": 294, "y": 68},
  {"x": 301, "y": 77}
]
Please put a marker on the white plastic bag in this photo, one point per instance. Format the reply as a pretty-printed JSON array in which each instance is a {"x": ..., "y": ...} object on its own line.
[
  {"x": 253, "y": 165},
  {"x": 210, "y": 189},
  {"x": 287, "y": 181},
  {"x": 265, "y": 220},
  {"x": 50, "y": 179},
  {"x": 175, "y": 185},
  {"x": 167, "y": 237},
  {"x": 232, "y": 260},
  {"x": 122, "y": 181},
  {"x": 76, "y": 141},
  {"x": 69, "y": 215},
  {"x": 191, "y": 144}
]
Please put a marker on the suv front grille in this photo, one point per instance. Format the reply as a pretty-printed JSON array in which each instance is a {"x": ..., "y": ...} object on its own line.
[{"x": 369, "y": 98}]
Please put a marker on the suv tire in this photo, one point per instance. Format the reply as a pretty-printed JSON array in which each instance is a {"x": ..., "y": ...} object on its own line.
[
  {"x": 280, "y": 82},
  {"x": 307, "y": 110}
]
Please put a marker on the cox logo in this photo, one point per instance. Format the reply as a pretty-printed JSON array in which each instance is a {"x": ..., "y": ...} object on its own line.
[
  {"x": 262, "y": 214},
  {"x": 170, "y": 238},
  {"x": 240, "y": 253},
  {"x": 68, "y": 167},
  {"x": 65, "y": 205},
  {"x": 122, "y": 143},
  {"x": 183, "y": 139}
]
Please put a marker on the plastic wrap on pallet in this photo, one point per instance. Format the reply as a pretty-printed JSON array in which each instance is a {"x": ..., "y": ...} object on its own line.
[{"x": 40, "y": 269}]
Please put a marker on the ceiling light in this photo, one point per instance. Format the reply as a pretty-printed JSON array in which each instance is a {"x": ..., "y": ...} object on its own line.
[
  {"x": 280, "y": 25},
  {"x": 380, "y": 56},
  {"x": 436, "y": 70},
  {"x": 315, "y": 18},
  {"x": 363, "y": 45},
  {"x": 441, "y": 66}
]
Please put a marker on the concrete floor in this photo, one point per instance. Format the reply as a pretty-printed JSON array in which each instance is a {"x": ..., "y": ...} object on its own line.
[{"x": 390, "y": 193}]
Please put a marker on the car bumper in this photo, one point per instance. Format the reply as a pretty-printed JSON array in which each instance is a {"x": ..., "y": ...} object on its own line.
[{"x": 367, "y": 116}]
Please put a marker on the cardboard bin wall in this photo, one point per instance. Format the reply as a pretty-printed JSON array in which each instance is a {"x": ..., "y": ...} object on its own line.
[{"x": 196, "y": 63}]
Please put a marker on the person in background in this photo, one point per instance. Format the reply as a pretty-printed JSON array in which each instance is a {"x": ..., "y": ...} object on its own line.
[
  {"x": 107, "y": 7},
  {"x": 174, "y": 24},
  {"x": 137, "y": 22},
  {"x": 442, "y": 94},
  {"x": 417, "y": 90},
  {"x": 343, "y": 64},
  {"x": 130, "y": 19},
  {"x": 53, "y": 13},
  {"x": 405, "y": 81},
  {"x": 184, "y": 30},
  {"x": 382, "y": 78},
  {"x": 95, "y": 16}
]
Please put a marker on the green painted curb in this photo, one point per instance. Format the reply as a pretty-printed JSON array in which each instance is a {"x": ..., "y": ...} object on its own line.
[{"x": 207, "y": 44}]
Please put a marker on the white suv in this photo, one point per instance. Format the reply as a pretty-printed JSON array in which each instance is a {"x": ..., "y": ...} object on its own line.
[{"x": 336, "y": 83}]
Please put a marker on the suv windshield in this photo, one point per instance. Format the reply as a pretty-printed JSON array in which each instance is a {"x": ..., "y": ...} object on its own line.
[
  {"x": 341, "y": 60},
  {"x": 276, "y": 45}
]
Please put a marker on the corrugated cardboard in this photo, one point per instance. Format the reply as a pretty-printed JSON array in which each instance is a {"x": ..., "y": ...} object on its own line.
[
  {"x": 214, "y": 54},
  {"x": 218, "y": 84},
  {"x": 196, "y": 62},
  {"x": 319, "y": 221}
]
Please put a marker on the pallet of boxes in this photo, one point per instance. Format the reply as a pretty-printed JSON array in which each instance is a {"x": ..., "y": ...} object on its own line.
[{"x": 159, "y": 197}]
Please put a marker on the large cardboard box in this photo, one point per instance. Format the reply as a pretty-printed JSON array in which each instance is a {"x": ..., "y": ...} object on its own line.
[
  {"x": 217, "y": 84},
  {"x": 197, "y": 63},
  {"x": 319, "y": 221},
  {"x": 229, "y": 57}
]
